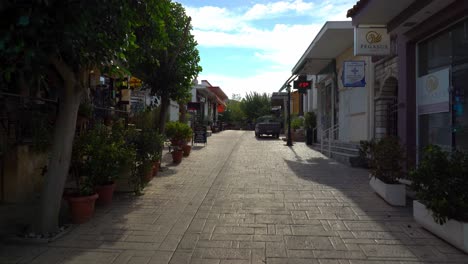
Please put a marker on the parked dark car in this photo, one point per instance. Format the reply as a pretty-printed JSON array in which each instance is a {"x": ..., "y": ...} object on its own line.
[{"x": 267, "y": 125}]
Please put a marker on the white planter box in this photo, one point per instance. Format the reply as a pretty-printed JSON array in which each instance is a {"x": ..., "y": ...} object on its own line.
[
  {"x": 394, "y": 194},
  {"x": 454, "y": 232}
]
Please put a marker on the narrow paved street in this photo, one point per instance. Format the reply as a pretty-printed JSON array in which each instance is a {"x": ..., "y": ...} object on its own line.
[{"x": 243, "y": 200}]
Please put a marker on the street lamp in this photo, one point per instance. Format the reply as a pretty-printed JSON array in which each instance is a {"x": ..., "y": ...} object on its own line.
[{"x": 289, "y": 140}]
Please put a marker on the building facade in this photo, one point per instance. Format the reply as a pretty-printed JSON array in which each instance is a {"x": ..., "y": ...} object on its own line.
[{"x": 428, "y": 74}]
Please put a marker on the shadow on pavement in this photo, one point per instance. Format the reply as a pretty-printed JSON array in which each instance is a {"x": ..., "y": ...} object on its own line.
[{"x": 346, "y": 198}]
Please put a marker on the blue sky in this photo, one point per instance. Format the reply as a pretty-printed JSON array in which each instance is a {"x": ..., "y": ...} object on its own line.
[{"x": 252, "y": 45}]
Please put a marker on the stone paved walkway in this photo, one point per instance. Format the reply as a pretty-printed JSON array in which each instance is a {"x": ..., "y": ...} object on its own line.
[{"x": 243, "y": 200}]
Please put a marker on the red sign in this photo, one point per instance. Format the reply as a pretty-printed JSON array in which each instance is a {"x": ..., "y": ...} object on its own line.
[{"x": 302, "y": 84}]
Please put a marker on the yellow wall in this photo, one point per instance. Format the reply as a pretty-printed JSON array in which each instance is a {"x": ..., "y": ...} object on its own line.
[{"x": 295, "y": 102}]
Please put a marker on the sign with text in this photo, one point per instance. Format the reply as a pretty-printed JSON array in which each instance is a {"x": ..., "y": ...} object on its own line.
[
  {"x": 354, "y": 74},
  {"x": 302, "y": 83},
  {"x": 199, "y": 133},
  {"x": 433, "y": 92},
  {"x": 371, "y": 41}
]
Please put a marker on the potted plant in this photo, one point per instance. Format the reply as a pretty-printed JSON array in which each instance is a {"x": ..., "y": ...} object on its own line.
[
  {"x": 297, "y": 133},
  {"x": 82, "y": 202},
  {"x": 187, "y": 133},
  {"x": 156, "y": 153},
  {"x": 177, "y": 154},
  {"x": 386, "y": 161},
  {"x": 177, "y": 132},
  {"x": 174, "y": 133},
  {"x": 106, "y": 154},
  {"x": 441, "y": 183},
  {"x": 83, "y": 199}
]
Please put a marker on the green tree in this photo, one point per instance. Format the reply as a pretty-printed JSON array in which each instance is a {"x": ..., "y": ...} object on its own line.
[
  {"x": 62, "y": 40},
  {"x": 171, "y": 71},
  {"x": 255, "y": 105},
  {"x": 233, "y": 113}
]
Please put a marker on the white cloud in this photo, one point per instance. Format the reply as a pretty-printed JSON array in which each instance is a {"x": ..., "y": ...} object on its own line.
[
  {"x": 283, "y": 44},
  {"x": 260, "y": 11},
  {"x": 280, "y": 45},
  {"x": 213, "y": 18}
]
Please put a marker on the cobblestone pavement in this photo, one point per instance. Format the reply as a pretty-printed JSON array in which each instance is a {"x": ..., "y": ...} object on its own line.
[{"x": 243, "y": 200}]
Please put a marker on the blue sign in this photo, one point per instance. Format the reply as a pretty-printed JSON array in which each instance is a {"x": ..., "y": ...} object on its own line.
[{"x": 354, "y": 74}]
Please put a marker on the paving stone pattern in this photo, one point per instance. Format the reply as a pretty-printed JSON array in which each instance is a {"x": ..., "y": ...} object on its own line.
[{"x": 242, "y": 200}]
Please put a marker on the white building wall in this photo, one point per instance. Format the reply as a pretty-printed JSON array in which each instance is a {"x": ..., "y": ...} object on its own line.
[
  {"x": 353, "y": 112},
  {"x": 174, "y": 111}
]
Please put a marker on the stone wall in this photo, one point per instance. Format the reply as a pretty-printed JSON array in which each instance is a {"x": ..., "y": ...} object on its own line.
[{"x": 385, "y": 93}]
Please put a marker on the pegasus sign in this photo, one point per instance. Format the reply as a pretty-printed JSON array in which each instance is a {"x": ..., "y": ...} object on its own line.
[{"x": 371, "y": 41}]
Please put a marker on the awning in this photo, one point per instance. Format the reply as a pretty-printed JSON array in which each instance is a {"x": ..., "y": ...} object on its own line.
[
  {"x": 334, "y": 38},
  {"x": 219, "y": 92},
  {"x": 210, "y": 95}
]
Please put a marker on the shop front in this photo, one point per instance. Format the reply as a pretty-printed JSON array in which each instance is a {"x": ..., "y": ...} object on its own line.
[{"x": 431, "y": 40}]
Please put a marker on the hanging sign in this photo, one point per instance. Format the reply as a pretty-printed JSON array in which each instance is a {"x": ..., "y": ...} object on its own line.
[
  {"x": 354, "y": 74},
  {"x": 302, "y": 83},
  {"x": 371, "y": 41},
  {"x": 433, "y": 92}
]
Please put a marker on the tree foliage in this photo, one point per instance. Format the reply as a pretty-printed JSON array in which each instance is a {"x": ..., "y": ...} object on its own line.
[
  {"x": 233, "y": 112},
  {"x": 170, "y": 68},
  {"x": 255, "y": 105},
  {"x": 59, "y": 42}
]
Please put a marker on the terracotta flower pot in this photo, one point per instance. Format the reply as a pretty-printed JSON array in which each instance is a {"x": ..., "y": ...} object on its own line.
[
  {"x": 156, "y": 166},
  {"x": 148, "y": 176},
  {"x": 106, "y": 192},
  {"x": 177, "y": 156},
  {"x": 186, "y": 149},
  {"x": 82, "y": 207}
]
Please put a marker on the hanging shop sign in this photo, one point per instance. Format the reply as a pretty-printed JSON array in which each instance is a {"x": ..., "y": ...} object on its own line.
[
  {"x": 433, "y": 92},
  {"x": 371, "y": 41},
  {"x": 354, "y": 74},
  {"x": 302, "y": 83}
]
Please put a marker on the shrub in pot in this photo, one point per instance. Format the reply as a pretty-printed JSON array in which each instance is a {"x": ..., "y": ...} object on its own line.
[
  {"x": 187, "y": 133},
  {"x": 82, "y": 205},
  {"x": 174, "y": 133},
  {"x": 386, "y": 167},
  {"x": 105, "y": 155},
  {"x": 177, "y": 154},
  {"x": 441, "y": 183},
  {"x": 82, "y": 201}
]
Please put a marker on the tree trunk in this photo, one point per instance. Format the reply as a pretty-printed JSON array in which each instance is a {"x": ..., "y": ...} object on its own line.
[
  {"x": 59, "y": 163},
  {"x": 182, "y": 113},
  {"x": 165, "y": 102}
]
